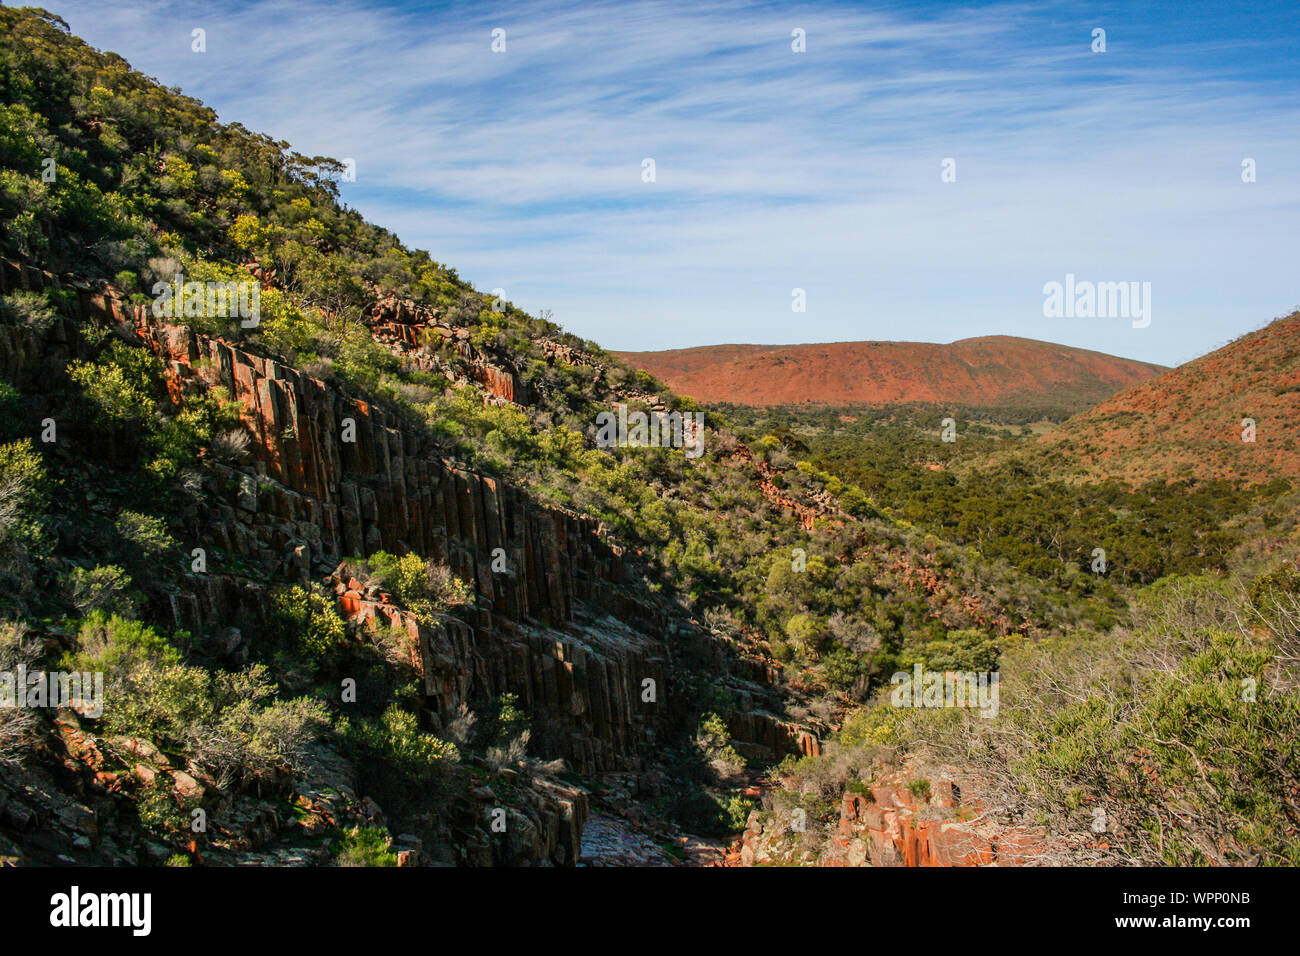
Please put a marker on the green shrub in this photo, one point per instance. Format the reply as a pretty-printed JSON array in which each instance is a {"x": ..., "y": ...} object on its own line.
[
  {"x": 24, "y": 500},
  {"x": 126, "y": 401},
  {"x": 229, "y": 724},
  {"x": 102, "y": 588},
  {"x": 364, "y": 846},
  {"x": 968, "y": 649},
  {"x": 395, "y": 743},
  {"x": 115, "y": 644},
  {"x": 708, "y": 812},
  {"x": 161, "y": 813},
  {"x": 310, "y": 621},
  {"x": 713, "y": 744},
  {"x": 510, "y": 720},
  {"x": 425, "y": 588},
  {"x": 29, "y": 309},
  {"x": 121, "y": 388},
  {"x": 841, "y": 668},
  {"x": 806, "y": 635},
  {"x": 250, "y": 733},
  {"x": 879, "y": 724}
]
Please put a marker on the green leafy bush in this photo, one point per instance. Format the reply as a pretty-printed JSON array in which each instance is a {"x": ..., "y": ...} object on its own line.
[
  {"x": 101, "y": 588},
  {"x": 406, "y": 768},
  {"x": 161, "y": 813},
  {"x": 127, "y": 404},
  {"x": 424, "y": 587},
  {"x": 709, "y": 812},
  {"x": 230, "y": 724},
  {"x": 29, "y": 309},
  {"x": 310, "y": 621},
  {"x": 24, "y": 499},
  {"x": 364, "y": 846}
]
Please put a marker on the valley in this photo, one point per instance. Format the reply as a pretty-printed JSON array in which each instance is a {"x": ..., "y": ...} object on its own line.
[{"x": 378, "y": 575}]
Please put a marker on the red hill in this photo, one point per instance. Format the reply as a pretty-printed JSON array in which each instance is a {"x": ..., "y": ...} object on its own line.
[
  {"x": 992, "y": 370},
  {"x": 1188, "y": 422}
]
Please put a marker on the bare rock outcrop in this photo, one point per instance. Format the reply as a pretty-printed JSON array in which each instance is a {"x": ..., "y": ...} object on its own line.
[{"x": 895, "y": 822}]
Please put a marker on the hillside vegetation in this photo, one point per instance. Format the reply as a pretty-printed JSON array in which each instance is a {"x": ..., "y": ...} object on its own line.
[{"x": 771, "y": 585}]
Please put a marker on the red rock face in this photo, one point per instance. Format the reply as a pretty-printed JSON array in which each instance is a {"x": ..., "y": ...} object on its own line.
[
  {"x": 386, "y": 491},
  {"x": 980, "y": 371},
  {"x": 499, "y": 383},
  {"x": 896, "y": 838},
  {"x": 891, "y": 826},
  {"x": 346, "y": 468}
]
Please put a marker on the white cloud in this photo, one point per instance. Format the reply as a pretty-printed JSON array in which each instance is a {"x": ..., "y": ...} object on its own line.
[{"x": 774, "y": 169}]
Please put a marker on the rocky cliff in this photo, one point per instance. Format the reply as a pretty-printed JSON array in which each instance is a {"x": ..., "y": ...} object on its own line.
[{"x": 557, "y": 618}]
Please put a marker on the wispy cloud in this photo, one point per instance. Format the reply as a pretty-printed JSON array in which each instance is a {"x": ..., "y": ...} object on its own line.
[{"x": 777, "y": 170}]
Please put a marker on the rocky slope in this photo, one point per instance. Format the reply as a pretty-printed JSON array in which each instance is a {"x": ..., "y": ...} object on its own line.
[
  {"x": 631, "y": 626},
  {"x": 560, "y": 624},
  {"x": 992, "y": 370}
]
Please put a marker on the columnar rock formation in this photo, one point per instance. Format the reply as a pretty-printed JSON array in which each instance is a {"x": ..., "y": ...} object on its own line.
[{"x": 554, "y": 620}]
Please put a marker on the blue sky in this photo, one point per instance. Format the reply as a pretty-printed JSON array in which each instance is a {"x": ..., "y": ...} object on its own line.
[{"x": 778, "y": 170}]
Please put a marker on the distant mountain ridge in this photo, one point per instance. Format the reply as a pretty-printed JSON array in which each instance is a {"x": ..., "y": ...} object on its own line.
[{"x": 989, "y": 370}]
